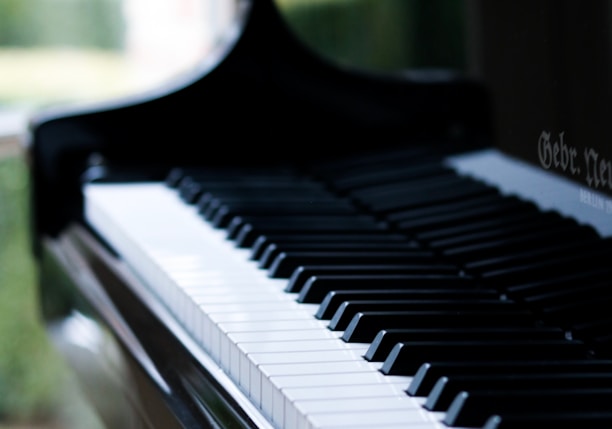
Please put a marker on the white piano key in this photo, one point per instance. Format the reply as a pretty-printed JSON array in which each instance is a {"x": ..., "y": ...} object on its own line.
[
  {"x": 296, "y": 395},
  {"x": 279, "y": 316},
  {"x": 344, "y": 405},
  {"x": 301, "y": 346},
  {"x": 264, "y": 325},
  {"x": 307, "y": 348},
  {"x": 340, "y": 379},
  {"x": 368, "y": 418},
  {"x": 259, "y": 306},
  {"x": 271, "y": 387},
  {"x": 390, "y": 425},
  {"x": 220, "y": 341},
  {"x": 223, "y": 295},
  {"x": 293, "y": 394},
  {"x": 272, "y": 336},
  {"x": 302, "y": 368}
]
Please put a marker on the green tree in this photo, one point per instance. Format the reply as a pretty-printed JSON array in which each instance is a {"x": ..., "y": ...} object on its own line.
[{"x": 82, "y": 23}]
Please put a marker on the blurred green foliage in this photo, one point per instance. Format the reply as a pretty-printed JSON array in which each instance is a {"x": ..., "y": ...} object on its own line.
[
  {"x": 31, "y": 373},
  {"x": 386, "y": 35},
  {"x": 81, "y": 23}
]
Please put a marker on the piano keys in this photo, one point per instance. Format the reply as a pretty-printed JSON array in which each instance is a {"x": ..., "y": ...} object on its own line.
[
  {"x": 426, "y": 280},
  {"x": 302, "y": 370}
]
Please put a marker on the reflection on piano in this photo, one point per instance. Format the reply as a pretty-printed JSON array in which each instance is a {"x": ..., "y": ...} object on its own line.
[{"x": 255, "y": 269}]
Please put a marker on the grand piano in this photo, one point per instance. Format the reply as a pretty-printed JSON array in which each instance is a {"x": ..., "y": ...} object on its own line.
[{"x": 284, "y": 242}]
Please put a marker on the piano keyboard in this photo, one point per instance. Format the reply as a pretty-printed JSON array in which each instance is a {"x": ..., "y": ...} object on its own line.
[{"x": 382, "y": 292}]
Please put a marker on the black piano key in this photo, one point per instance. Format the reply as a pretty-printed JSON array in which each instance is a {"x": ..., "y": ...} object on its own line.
[
  {"x": 209, "y": 202},
  {"x": 429, "y": 183},
  {"x": 540, "y": 269},
  {"x": 558, "y": 419},
  {"x": 303, "y": 273},
  {"x": 286, "y": 262},
  {"x": 364, "y": 326},
  {"x": 317, "y": 287},
  {"x": 504, "y": 219},
  {"x": 478, "y": 237},
  {"x": 532, "y": 265},
  {"x": 557, "y": 283},
  {"x": 543, "y": 223},
  {"x": 416, "y": 187},
  {"x": 248, "y": 233},
  {"x": 335, "y": 298},
  {"x": 456, "y": 218},
  {"x": 568, "y": 314},
  {"x": 421, "y": 196},
  {"x": 443, "y": 207},
  {"x": 375, "y": 176},
  {"x": 447, "y": 388},
  {"x": 349, "y": 309},
  {"x": 215, "y": 175},
  {"x": 505, "y": 245},
  {"x": 273, "y": 250},
  {"x": 350, "y": 165},
  {"x": 275, "y": 198},
  {"x": 222, "y": 215},
  {"x": 405, "y": 358},
  {"x": 302, "y": 222},
  {"x": 263, "y": 241},
  {"x": 473, "y": 409},
  {"x": 602, "y": 345},
  {"x": 592, "y": 328},
  {"x": 227, "y": 174},
  {"x": 429, "y": 373},
  {"x": 386, "y": 339},
  {"x": 466, "y": 205},
  {"x": 570, "y": 294},
  {"x": 191, "y": 188},
  {"x": 174, "y": 176}
]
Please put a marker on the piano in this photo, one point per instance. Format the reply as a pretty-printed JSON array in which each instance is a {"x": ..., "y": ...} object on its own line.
[{"x": 284, "y": 242}]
